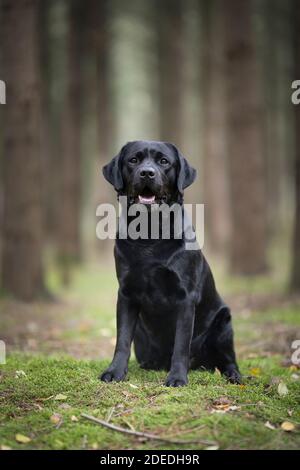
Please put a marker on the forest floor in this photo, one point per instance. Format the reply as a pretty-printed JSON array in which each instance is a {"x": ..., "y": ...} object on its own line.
[{"x": 55, "y": 352}]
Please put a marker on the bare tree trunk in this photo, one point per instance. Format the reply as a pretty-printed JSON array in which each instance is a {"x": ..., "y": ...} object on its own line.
[
  {"x": 295, "y": 279},
  {"x": 49, "y": 177},
  {"x": 216, "y": 191},
  {"x": 70, "y": 171},
  {"x": 103, "y": 84},
  {"x": 245, "y": 142},
  {"x": 98, "y": 49},
  {"x": 22, "y": 273},
  {"x": 171, "y": 68}
]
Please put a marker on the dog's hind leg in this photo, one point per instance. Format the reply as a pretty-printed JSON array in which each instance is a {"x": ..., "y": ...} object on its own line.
[
  {"x": 215, "y": 348},
  {"x": 222, "y": 342}
]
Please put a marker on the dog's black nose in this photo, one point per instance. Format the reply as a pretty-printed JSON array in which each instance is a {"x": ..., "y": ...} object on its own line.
[{"x": 148, "y": 172}]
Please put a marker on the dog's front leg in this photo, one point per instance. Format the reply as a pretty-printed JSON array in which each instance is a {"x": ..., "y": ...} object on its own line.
[
  {"x": 177, "y": 376},
  {"x": 127, "y": 314}
]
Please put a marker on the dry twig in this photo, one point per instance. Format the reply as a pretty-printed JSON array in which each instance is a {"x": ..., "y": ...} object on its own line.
[{"x": 144, "y": 435}]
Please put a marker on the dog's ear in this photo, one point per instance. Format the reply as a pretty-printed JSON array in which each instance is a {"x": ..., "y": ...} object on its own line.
[
  {"x": 112, "y": 172},
  {"x": 186, "y": 173}
]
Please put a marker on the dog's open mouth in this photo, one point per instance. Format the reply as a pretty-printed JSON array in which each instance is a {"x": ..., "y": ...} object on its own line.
[{"x": 146, "y": 197}]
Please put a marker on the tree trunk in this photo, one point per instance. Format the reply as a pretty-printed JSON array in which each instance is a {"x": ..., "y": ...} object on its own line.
[
  {"x": 99, "y": 40},
  {"x": 49, "y": 176},
  {"x": 295, "y": 279},
  {"x": 245, "y": 142},
  {"x": 103, "y": 84},
  {"x": 70, "y": 170},
  {"x": 216, "y": 191},
  {"x": 22, "y": 273},
  {"x": 171, "y": 68}
]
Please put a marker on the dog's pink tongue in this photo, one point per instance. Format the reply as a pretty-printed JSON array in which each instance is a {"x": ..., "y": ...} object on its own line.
[{"x": 146, "y": 200}]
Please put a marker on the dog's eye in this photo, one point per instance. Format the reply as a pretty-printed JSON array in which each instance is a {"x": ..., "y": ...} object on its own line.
[
  {"x": 133, "y": 160},
  {"x": 163, "y": 161}
]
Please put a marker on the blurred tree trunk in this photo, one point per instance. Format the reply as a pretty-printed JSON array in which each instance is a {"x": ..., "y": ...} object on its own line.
[
  {"x": 69, "y": 239},
  {"x": 295, "y": 281},
  {"x": 277, "y": 62},
  {"x": 171, "y": 69},
  {"x": 245, "y": 141},
  {"x": 100, "y": 42},
  {"x": 22, "y": 273},
  {"x": 49, "y": 174},
  {"x": 101, "y": 37},
  {"x": 216, "y": 191}
]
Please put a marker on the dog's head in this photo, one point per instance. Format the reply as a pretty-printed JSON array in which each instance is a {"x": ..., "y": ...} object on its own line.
[{"x": 149, "y": 172}]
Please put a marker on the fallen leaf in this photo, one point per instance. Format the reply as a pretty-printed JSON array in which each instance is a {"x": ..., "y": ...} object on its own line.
[
  {"x": 295, "y": 376},
  {"x": 64, "y": 406},
  {"x": 275, "y": 380},
  {"x": 225, "y": 408},
  {"x": 46, "y": 399},
  {"x": 19, "y": 374},
  {"x": 212, "y": 448},
  {"x": 39, "y": 407},
  {"x": 60, "y": 396},
  {"x": 55, "y": 418},
  {"x": 269, "y": 425},
  {"x": 222, "y": 401},
  {"x": 22, "y": 439},
  {"x": 293, "y": 368},
  {"x": 74, "y": 418},
  {"x": 282, "y": 389},
  {"x": 4, "y": 447},
  {"x": 133, "y": 386},
  {"x": 95, "y": 446},
  {"x": 290, "y": 412},
  {"x": 287, "y": 426},
  {"x": 222, "y": 405},
  {"x": 255, "y": 371},
  {"x": 234, "y": 408}
]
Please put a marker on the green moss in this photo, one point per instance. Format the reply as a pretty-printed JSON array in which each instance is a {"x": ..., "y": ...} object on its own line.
[
  {"x": 142, "y": 402},
  {"x": 86, "y": 319}
]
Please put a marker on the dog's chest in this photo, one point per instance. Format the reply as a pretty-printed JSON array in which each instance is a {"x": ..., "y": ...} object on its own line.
[{"x": 155, "y": 288}]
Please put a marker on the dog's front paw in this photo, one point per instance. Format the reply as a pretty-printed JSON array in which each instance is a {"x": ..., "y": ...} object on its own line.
[
  {"x": 176, "y": 381},
  {"x": 113, "y": 375},
  {"x": 233, "y": 375}
]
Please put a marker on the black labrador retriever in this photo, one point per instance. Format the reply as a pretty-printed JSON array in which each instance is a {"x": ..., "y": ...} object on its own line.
[{"x": 167, "y": 304}]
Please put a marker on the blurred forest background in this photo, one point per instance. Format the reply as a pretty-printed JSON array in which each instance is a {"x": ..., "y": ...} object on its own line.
[{"x": 83, "y": 77}]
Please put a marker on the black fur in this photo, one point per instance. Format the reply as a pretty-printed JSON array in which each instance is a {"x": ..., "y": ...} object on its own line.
[{"x": 167, "y": 301}]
